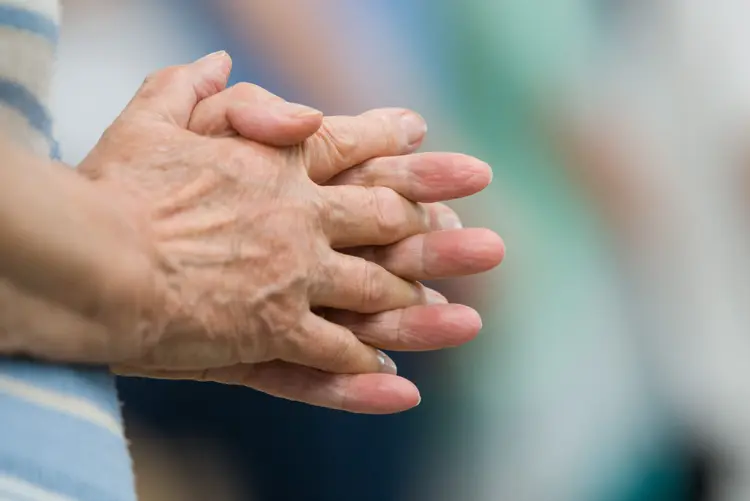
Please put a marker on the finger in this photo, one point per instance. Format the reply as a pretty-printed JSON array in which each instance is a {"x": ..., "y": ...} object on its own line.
[
  {"x": 417, "y": 328},
  {"x": 359, "y": 393},
  {"x": 421, "y": 177},
  {"x": 442, "y": 217},
  {"x": 351, "y": 283},
  {"x": 438, "y": 254},
  {"x": 209, "y": 118},
  {"x": 355, "y": 216},
  {"x": 255, "y": 114},
  {"x": 323, "y": 345},
  {"x": 344, "y": 142},
  {"x": 173, "y": 92}
]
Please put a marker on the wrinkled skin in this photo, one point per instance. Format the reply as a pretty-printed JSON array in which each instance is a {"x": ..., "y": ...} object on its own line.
[
  {"x": 258, "y": 115},
  {"x": 241, "y": 238},
  {"x": 234, "y": 244}
]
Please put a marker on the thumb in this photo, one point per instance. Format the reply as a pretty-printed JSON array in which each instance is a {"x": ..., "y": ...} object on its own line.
[
  {"x": 174, "y": 92},
  {"x": 255, "y": 114}
]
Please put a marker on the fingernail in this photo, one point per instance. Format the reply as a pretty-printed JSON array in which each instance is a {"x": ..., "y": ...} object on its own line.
[
  {"x": 296, "y": 110},
  {"x": 214, "y": 55},
  {"x": 387, "y": 365},
  {"x": 449, "y": 220},
  {"x": 434, "y": 297},
  {"x": 414, "y": 127}
]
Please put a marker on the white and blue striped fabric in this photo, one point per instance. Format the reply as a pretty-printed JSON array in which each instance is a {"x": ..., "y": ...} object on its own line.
[{"x": 61, "y": 434}]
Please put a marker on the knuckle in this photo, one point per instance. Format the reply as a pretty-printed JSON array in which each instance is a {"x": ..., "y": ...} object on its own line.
[
  {"x": 327, "y": 206},
  {"x": 391, "y": 130},
  {"x": 341, "y": 353},
  {"x": 160, "y": 77},
  {"x": 287, "y": 329},
  {"x": 338, "y": 143},
  {"x": 244, "y": 90},
  {"x": 370, "y": 174},
  {"x": 320, "y": 275},
  {"x": 373, "y": 289},
  {"x": 385, "y": 204},
  {"x": 150, "y": 79},
  {"x": 318, "y": 200},
  {"x": 386, "y": 127},
  {"x": 293, "y": 345},
  {"x": 172, "y": 73},
  {"x": 367, "y": 174}
]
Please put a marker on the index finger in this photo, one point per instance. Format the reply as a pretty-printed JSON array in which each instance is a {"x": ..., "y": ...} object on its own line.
[{"x": 343, "y": 142}]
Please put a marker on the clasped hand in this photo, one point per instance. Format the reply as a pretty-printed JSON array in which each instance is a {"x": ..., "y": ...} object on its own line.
[{"x": 277, "y": 249}]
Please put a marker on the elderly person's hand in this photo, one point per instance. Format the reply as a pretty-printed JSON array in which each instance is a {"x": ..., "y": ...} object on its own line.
[
  {"x": 224, "y": 246},
  {"x": 238, "y": 239},
  {"x": 443, "y": 252}
]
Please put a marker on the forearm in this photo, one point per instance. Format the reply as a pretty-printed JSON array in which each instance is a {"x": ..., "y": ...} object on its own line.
[
  {"x": 58, "y": 238},
  {"x": 30, "y": 326}
]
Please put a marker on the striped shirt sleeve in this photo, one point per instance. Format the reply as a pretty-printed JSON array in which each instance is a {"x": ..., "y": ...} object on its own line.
[{"x": 61, "y": 433}]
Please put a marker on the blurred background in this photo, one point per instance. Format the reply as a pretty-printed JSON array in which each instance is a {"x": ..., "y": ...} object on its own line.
[{"x": 614, "y": 363}]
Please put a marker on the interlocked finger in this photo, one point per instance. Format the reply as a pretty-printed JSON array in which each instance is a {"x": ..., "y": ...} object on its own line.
[
  {"x": 438, "y": 254},
  {"x": 354, "y": 216},
  {"x": 421, "y": 177},
  {"x": 417, "y": 328},
  {"x": 329, "y": 347},
  {"x": 352, "y": 283},
  {"x": 343, "y": 142}
]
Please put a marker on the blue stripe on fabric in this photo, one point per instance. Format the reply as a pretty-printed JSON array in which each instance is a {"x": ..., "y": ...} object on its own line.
[
  {"x": 63, "y": 454},
  {"x": 96, "y": 385},
  {"x": 26, "y": 20},
  {"x": 20, "y": 98}
]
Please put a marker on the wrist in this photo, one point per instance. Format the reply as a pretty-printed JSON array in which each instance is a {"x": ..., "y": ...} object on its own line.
[
  {"x": 120, "y": 282},
  {"x": 67, "y": 241}
]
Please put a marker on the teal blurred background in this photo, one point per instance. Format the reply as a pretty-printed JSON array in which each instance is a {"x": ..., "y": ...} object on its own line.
[{"x": 613, "y": 361}]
